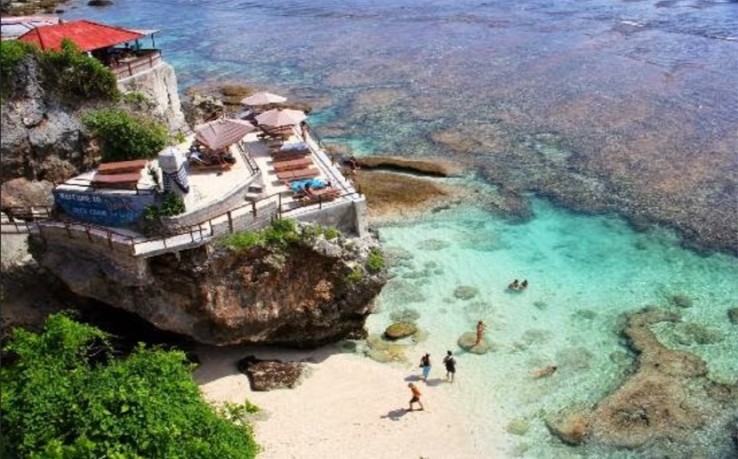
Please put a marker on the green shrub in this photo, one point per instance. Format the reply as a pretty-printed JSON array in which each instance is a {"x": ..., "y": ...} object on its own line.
[
  {"x": 243, "y": 240},
  {"x": 280, "y": 234},
  {"x": 355, "y": 275},
  {"x": 69, "y": 73},
  {"x": 331, "y": 233},
  {"x": 12, "y": 52},
  {"x": 375, "y": 261},
  {"x": 136, "y": 98},
  {"x": 315, "y": 230},
  {"x": 124, "y": 136},
  {"x": 66, "y": 395},
  {"x": 171, "y": 205},
  {"x": 77, "y": 76}
]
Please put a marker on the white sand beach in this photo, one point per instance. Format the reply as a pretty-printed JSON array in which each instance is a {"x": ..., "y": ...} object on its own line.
[{"x": 348, "y": 406}]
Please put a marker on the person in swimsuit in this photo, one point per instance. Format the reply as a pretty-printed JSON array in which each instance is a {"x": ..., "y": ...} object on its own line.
[
  {"x": 425, "y": 364},
  {"x": 416, "y": 397},
  {"x": 480, "y": 332},
  {"x": 546, "y": 371},
  {"x": 450, "y": 363}
]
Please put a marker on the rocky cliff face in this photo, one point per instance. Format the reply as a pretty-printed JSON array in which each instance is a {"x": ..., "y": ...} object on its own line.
[
  {"x": 307, "y": 294},
  {"x": 43, "y": 138},
  {"x": 160, "y": 86}
]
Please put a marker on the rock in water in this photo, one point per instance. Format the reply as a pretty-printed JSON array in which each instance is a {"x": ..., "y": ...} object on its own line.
[
  {"x": 266, "y": 375},
  {"x": 467, "y": 342},
  {"x": 571, "y": 428},
  {"x": 733, "y": 316},
  {"x": 465, "y": 292},
  {"x": 400, "y": 330},
  {"x": 99, "y": 3}
]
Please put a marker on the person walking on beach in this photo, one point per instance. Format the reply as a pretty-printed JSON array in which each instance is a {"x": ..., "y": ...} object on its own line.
[
  {"x": 480, "y": 332},
  {"x": 450, "y": 363},
  {"x": 425, "y": 364},
  {"x": 416, "y": 397}
]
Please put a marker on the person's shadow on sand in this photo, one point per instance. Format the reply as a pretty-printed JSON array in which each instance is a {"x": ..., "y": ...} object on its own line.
[
  {"x": 413, "y": 378},
  {"x": 395, "y": 415}
]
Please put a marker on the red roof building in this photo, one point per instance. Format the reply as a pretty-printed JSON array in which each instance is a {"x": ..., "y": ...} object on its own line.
[{"x": 87, "y": 35}]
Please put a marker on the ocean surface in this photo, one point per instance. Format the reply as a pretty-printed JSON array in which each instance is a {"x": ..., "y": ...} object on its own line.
[{"x": 546, "y": 79}]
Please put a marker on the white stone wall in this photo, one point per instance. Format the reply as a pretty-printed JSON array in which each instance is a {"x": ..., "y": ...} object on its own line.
[{"x": 160, "y": 85}]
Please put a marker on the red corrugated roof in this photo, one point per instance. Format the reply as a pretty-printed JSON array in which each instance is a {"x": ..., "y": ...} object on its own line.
[{"x": 87, "y": 35}]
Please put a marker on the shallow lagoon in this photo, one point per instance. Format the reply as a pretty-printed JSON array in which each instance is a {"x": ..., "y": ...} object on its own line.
[{"x": 584, "y": 273}]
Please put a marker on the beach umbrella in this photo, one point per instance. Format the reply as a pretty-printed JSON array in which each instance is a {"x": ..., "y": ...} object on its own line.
[
  {"x": 279, "y": 118},
  {"x": 262, "y": 98},
  {"x": 222, "y": 132}
]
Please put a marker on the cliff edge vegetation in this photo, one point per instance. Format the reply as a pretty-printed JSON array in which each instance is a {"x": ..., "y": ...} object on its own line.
[{"x": 67, "y": 394}]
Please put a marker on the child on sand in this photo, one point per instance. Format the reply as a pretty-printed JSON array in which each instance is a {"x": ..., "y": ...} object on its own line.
[{"x": 416, "y": 397}]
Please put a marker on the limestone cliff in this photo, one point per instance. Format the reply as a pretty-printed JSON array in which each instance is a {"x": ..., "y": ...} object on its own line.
[
  {"x": 42, "y": 135},
  {"x": 308, "y": 293},
  {"x": 160, "y": 86}
]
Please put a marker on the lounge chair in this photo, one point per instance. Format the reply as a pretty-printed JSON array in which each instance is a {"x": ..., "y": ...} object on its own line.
[
  {"x": 292, "y": 164},
  {"x": 324, "y": 194},
  {"x": 122, "y": 167},
  {"x": 124, "y": 181},
  {"x": 288, "y": 176}
]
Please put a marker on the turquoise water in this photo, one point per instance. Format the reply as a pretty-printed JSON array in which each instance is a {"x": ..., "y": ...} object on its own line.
[
  {"x": 520, "y": 89},
  {"x": 584, "y": 273}
]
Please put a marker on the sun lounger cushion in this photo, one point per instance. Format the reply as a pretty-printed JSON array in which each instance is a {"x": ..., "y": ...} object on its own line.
[
  {"x": 122, "y": 167},
  {"x": 299, "y": 163},
  {"x": 129, "y": 180},
  {"x": 298, "y": 174}
]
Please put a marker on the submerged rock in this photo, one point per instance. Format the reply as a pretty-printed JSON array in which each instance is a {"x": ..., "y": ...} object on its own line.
[
  {"x": 467, "y": 342},
  {"x": 400, "y": 330},
  {"x": 733, "y": 316},
  {"x": 666, "y": 399},
  {"x": 266, "y": 375},
  {"x": 405, "y": 315},
  {"x": 689, "y": 333},
  {"x": 571, "y": 428},
  {"x": 465, "y": 292},
  {"x": 680, "y": 301},
  {"x": 518, "y": 427}
]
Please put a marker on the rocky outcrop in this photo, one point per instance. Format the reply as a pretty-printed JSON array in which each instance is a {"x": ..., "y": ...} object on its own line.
[
  {"x": 25, "y": 193},
  {"x": 666, "y": 400},
  {"x": 42, "y": 136},
  {"x": 266, "y": 375},
  {"x": 400, "y": 330},
  {"x": 303, "y": 295}
]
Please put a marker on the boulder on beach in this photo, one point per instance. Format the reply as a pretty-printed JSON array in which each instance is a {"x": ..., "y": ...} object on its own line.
[
  {"x": 400, "y": 330},
  {"x": 467, "y": 342},
  {"x": 266, "y": 375}
]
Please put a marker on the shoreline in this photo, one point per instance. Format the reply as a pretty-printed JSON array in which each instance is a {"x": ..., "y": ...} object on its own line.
[{"x": 366, "y": 400}]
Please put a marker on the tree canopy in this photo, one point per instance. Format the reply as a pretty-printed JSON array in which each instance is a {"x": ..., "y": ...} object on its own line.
[{"x": 66, "y": 395}]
